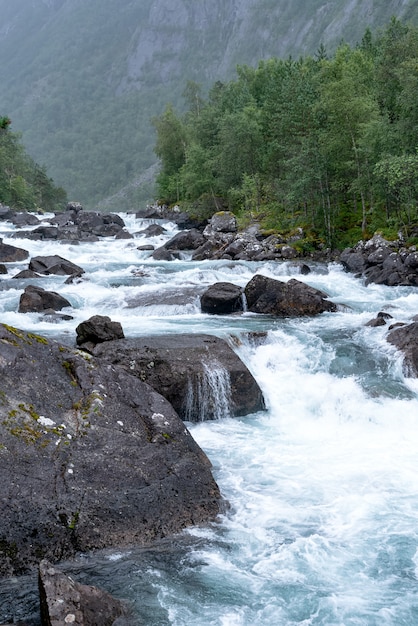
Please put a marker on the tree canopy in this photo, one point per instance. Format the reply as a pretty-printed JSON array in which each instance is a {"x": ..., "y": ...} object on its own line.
[
  {"x": 24, "y": 185},
  {"x": 329, "y": 144}
]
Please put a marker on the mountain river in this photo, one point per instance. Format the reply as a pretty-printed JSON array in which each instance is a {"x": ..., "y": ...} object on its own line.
[{"x": 322, "y": 524}]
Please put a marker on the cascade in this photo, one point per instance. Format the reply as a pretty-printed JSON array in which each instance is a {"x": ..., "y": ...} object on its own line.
[{"x": 209, "y": 394}]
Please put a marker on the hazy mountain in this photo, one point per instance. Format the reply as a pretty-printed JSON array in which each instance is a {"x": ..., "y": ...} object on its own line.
[{"x": 82, "y": 80}]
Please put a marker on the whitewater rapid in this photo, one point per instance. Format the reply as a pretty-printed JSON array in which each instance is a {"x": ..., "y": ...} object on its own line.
[{"x": 322, "y": 523}]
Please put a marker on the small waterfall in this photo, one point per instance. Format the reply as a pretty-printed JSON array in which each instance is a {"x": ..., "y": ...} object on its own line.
[
  {"x": 244, "y": 302},
  {"x": 209, "y": 395}
]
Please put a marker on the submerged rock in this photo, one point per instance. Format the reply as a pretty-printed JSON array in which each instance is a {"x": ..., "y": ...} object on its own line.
[
  {"x": 200, "y": 375},
  {"x": 90, "y": 457},
  {"x": 64, "y": 601},
  {"x": 293, "y": 298}
]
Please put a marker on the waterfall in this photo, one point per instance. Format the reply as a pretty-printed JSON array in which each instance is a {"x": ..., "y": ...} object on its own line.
[{"x": 209, "y": 395}]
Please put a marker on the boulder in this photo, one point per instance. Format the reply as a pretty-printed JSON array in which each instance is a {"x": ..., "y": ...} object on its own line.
[
  {"x": 185, "y": 240},
  {"x": 11, "y": 254},
  {"x": 46, "y": 232},
  {"x": 64, "y": 601},
  {"x": 221, "y": 222},
  {"x": 24, "y": 219},
  {"x": 405, "y": 338},
  {"x": 97, "y": 329},
  {"x": 3, "y": 269},
  {"x": 27, "y": 274},
  {"x": 91, "y": 457},
  {"x": 54, "y": 264},
  {"x": 293, "y": 298},
  {"x": 221, "y": 299},
  {"x": 200, "y": 375},
  {"x": 153, "y": 230},
  {"x": 36, "y": 299}
]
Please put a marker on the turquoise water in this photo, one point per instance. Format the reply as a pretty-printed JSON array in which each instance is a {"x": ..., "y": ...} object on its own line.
[{"x": 322, "y": 524}]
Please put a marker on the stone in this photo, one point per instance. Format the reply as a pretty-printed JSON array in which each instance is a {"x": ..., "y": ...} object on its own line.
[
  {"x": 405, "y": 339},
  {"x": 91, "y": 457},
  {"x": 11, "y": 254},
  {"x": 54, "y": 264},
  {"x": 185, "y": 240},
  {"x": 200, "y": 375},
  {"x": 293, "y": 298},
  {"x": 65, "y": 601},
  {"x": 97, "y": 329},
  {"x": 35, "y": 299},
  {"x": 221, "y": 299}
]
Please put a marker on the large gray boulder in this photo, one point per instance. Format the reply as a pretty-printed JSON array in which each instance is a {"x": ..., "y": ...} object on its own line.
[
  {"x": 90, "y": 457},
  {"x": 293, "y": 298},
  {"x": 200, "y": 375},
  {"x": 405, "y": 339}
]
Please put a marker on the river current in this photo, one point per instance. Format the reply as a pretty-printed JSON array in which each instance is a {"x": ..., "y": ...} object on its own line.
[{"x": 322, "y": 524}]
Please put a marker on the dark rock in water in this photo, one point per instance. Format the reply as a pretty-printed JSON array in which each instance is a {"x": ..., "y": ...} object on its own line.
[
  {"x": 146, "y": 248},
  {"x": 186, "y": 240},
  {"x": 46, "y": 232},
  {"x": 6, "y": 213},
  {"x": 52, "y": 316},
  {"x": 221, "y": 299},
  {"x": 36, "y": 299},
  {"x": 162, "y": 254},
  {"x": 28, "y": 274},
  {"x": 405, "y": 338},
  {"x": 153, "y": 230},
  {"x": 97, "y": 329},
  {"x": 54, "y": 264},
  {"x": 200, "y": 375},
  {"x": 11, "y": 254},
  {"x": 91, "y": 457},
  {"x": 123, "y": 234},
  {"x": 3, "y": 269},
  {"x": 24, "y": 219},
  {"x": 64, "y": 601},
  {"x": 377, "y": 321},
  {"x": 293, "y": 298}
]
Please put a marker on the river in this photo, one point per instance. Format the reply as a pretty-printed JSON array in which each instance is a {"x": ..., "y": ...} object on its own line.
[{"x": 322, "y": 524}]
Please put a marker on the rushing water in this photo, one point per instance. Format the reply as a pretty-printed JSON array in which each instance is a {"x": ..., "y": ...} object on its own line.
[{"x": 322, "y": 527}]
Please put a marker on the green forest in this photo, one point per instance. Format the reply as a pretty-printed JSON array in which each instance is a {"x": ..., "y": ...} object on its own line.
[
  {"x": 24, "y": 185},
  {"x": 324, "y": 143}
]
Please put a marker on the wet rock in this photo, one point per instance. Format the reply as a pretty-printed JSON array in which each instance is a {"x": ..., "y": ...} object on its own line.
[
  {"x": 185, "y": 240},
  {"x": 91, "y": 457},
  {"x": 24, "y": 218},
  {"x": 46, "y": 232},
  {"x": 221, "y": 299},
  {"x": 405, "y": 338},
  {"x": 3, "y": 269},
  {"x": 200, "y": 375},
  {"x": 123, "y": 234},
  {"x": 293, "y": 298},
  {"x": 64, "y": 601},
  {"x": 11, "y": 254},
  {"x": 27, "y": 274},
  {"x": 54, "y": 264},
  {"x": 162, "y": 254},
  {"x": 153, "y": 230},
  {"x": 382, "y": 262},
  {"x": 36, "y": 299},
  {"x": 97, "y": 329}
]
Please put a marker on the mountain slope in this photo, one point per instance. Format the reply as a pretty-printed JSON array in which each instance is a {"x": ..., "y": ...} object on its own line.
[{"x": 82, "y": 80}]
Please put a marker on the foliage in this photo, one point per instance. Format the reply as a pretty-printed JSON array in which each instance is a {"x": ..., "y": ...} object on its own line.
[
  {"x": 329, "y": 143},
  {"x": 24, "y": 184}
]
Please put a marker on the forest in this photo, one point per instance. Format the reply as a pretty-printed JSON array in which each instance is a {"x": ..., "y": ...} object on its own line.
[
  {"x": 24, "y": 185},
  {"x": 327, "y": 144}
]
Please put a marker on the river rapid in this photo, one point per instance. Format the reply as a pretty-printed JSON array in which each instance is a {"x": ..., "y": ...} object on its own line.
[{"x": 322, "y": 523}]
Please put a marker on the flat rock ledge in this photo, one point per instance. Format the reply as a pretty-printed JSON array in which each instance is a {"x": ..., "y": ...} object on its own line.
[
  {"x": 90, "y": 457},
  {"x": 200, "y": 375}
]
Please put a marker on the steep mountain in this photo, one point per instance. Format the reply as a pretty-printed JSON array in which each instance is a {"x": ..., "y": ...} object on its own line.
[{"x": 82, "y": 80}]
